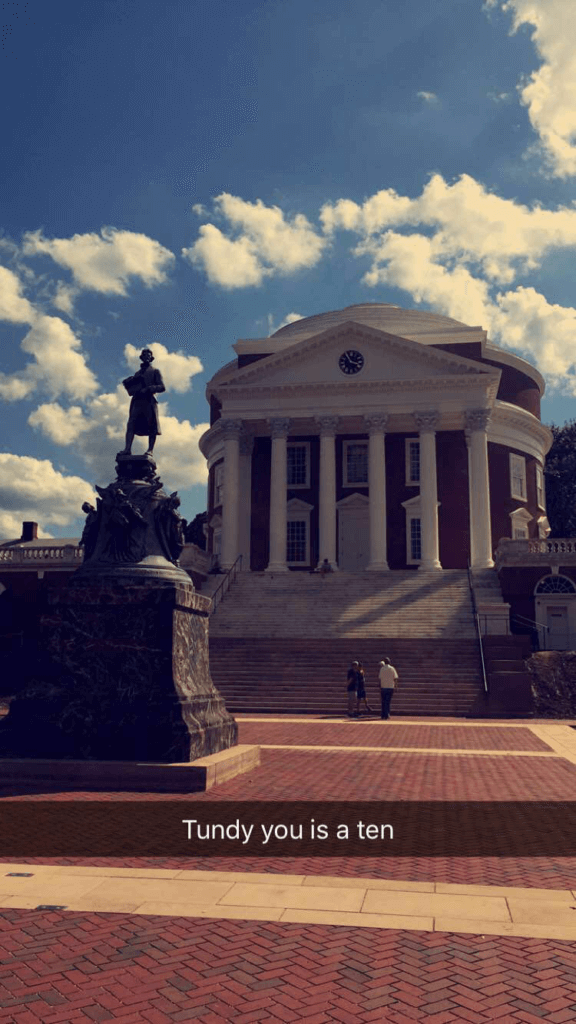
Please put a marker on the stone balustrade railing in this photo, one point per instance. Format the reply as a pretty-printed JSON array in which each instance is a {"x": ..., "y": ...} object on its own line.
[
  {"x": 69, "y": 556},
  {"x": 52, "y": 554},
  {"x": 557, "y": 550}
]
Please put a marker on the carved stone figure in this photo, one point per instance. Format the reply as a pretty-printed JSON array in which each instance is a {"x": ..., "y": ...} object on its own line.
[
  {"x": 90, "y": 531},
  {"x": 143, "y": 419},
  {"x": 170, "y": 527},
  {"x": 123, "y": 523}
]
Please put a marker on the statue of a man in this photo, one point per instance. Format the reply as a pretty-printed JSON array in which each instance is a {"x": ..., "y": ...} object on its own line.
[{"x": 143, "y": 419}]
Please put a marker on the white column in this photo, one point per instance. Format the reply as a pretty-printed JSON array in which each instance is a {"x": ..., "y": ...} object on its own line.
[
  {"x": 376, "y": 426},
  {"x": 229, "y": 552},
  {"x": 279, "y": 429},
  {"x": 245, "y": 507},
  {"x": 427, "y": 423},
  {"x": 327, "y": 496},
  {"x": 476, "y": 421}
]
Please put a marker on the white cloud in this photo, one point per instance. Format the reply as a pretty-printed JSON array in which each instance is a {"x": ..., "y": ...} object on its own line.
[
  {"x": 64, "y": 296},
  {"x": 266, "y": 243},
  {"x": 499, "y": 97},
  {"x": 470, "y": 224},
  {"x": 31, "y": 489},
  {"x": 290, "y": 318},
  {"x": 428, "y": 97},
  {"x": 13, "y": 306},
  {"x": 545, "y": 331},
  {"x": 105, "y": 262},
  {"x": 59, "y": 367},
  {"x": 97, "y": 434},
  {"x": 549, "y": 91},
  {"x": 176, "y": 367}
]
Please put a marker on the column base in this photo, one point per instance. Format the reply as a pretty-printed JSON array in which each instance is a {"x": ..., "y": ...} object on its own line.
[
  {"x": 377, "y": 567},
  {"x": 277, "y": 567},
  {"x": 432, "y": 564},
  {"x": 487, "y": 563}
]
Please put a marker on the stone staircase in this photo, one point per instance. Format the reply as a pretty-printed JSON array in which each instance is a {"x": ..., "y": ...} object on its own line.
[{"x": 283, "y": 643}]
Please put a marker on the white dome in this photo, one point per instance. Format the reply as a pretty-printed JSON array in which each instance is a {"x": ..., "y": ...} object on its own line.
[{"x": 407, "y": 323}]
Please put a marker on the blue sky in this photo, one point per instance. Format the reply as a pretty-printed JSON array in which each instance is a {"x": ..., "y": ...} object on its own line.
[{"x": 190, "y": 173}]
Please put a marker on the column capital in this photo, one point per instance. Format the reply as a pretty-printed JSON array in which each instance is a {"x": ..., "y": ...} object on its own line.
[
  {"x": 477, "y": 419},
  {"x": 231, "y": 428},
  {"x": 246, "y": 444},
  {"x": 328, "y": 425},
  {"x": 279, "y": 426},
  {"x": 375, "y": 423},
  {"x": 427, "y": 421}
]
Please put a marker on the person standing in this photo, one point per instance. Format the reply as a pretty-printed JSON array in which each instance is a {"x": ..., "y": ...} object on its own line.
[
  {"x": 361, "y": 691},
  {"x": 388, "y": 680},
  {"x": 352, "y": 686}
]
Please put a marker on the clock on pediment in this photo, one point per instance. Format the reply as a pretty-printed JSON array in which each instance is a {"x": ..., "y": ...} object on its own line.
[{"x": 351, "y": 361}]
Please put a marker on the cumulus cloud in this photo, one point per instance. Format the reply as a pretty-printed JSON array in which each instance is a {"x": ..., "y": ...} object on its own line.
[
  {"x": 14, "y": 307},
  {"x": 32, "y": 489},
  {"x": 64, "y": 297},
  {"x": 548, "y": 93},
  {"x": 428, "y": 97},
  {"x": 177, "y": 368},
  {"x": 290, "y": 318},
  {"x": 106, "y": 262},
  {"x": 58, "y": 366},
  {"x": 470, "y": 224},
  {"x": 263, "y": 243},
  {"x": 98, "y": 431}
]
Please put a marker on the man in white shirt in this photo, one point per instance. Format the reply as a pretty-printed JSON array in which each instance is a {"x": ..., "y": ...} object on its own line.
[{"x": 388, "y": 680}]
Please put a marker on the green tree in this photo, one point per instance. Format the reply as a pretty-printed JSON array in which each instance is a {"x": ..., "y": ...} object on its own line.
[
  {"x": 561, "y": 481},
  {"x": 194, "y": 532}
]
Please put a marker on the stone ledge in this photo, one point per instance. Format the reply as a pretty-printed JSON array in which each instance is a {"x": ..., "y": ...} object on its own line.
[{"x": 131, "y": 776}]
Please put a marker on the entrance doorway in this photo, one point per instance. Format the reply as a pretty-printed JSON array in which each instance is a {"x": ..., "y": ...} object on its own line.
[
  {"x": 558, "y": 627},
  {"x": 353, "y": 533}
]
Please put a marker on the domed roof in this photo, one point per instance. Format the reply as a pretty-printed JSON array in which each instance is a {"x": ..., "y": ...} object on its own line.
[{"x": 407, "y": 323}]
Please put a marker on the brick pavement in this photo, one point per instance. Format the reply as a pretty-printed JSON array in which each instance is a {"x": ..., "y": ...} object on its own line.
[
  {"x": 366, "y": 733},
  {"x": 86, "y": 967},
  {"x": 83, "y": 968}
]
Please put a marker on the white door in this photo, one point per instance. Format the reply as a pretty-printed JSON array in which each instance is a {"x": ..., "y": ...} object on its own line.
[
  {"x": 558, "y": 636},
  {"x": 353, "y": 538}
]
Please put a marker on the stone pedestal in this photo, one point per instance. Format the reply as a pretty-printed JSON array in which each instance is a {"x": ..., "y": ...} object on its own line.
[
  {"x": 122, "y": 672},
  {"x": 124, "y": 677}
]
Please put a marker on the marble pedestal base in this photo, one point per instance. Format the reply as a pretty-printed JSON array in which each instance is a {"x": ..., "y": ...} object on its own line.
[{"x": 124, "y": 676}]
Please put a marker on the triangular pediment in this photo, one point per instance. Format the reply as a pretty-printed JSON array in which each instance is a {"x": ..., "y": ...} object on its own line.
[
  {"x": 383, "y": 357},
  {"x": 355, "y": 500}
]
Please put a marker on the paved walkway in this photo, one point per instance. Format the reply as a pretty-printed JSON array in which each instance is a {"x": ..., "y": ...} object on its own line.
[{"x": 322, "y": 938}]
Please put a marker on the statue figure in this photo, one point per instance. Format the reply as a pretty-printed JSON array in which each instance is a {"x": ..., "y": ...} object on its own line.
[
  {"x": 90, "y": 531},
  {"x": 121, "y": 519},
  {"x": 143, "y": 419},
  {"x": 170, "y": 527}
]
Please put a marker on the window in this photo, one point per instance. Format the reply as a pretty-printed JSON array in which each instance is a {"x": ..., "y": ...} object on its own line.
[
  {"x": 296, "y": 541},
  {"x": 219, "y": 483},
  {"x": 415, "y": 540},
  {"x": 555, "y": 585},
  {"x": 540, "y": 499},
  {"x": 298, "y": 532},
  {"x": 355, "y": 463},
  {"x": 519, "y": 520},
  {"x": 298, "y": 464},
  {"x": 518, "y": 476},
  {"x": 412, "y": 462}
]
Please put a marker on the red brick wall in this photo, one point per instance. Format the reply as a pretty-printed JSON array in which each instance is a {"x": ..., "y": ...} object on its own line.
[
  {"x": 501, "y": 501},
  {"x": 515, "y": 387}
]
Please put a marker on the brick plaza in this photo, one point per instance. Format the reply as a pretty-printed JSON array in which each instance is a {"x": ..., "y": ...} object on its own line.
[{"x": 318, "y": 939}]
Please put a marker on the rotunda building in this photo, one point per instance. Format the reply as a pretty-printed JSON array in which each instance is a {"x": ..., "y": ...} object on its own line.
[{"x": 374, "y": 438}]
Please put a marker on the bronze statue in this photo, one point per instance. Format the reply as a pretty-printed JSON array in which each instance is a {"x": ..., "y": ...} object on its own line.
[{"x": 143, "y": 419}]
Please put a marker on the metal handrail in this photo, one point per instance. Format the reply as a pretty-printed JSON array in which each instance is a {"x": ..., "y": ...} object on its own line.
[
  {"x": 478, "y": 630},
  {"x": 530, "y": 622},
  {"x": 224, "y": 586}
]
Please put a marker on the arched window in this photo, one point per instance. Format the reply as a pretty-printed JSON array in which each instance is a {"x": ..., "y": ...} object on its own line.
[{"x": 555, "y": 585}]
